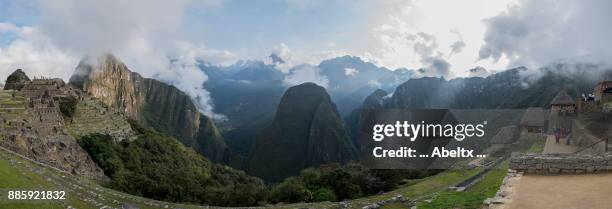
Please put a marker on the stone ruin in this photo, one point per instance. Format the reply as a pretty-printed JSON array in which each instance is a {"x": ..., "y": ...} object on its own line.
[
  {"x": 560, "y": 163},
  {"x": 33, "y": 125}
]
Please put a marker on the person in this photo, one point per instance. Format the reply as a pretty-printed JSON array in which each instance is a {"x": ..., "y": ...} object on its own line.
[{"x": 557, "y": 135}]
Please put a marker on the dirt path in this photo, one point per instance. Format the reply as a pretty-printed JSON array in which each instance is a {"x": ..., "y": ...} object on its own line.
[
  {"x": 564, "y": 191},
  {"x": 552, "y": 147}
]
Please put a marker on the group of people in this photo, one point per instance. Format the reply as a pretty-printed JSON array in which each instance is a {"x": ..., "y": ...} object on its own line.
[{"x": 562, "y": 132}]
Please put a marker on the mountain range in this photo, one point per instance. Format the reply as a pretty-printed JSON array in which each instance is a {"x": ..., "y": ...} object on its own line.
[{"x": 272, "y": 130}]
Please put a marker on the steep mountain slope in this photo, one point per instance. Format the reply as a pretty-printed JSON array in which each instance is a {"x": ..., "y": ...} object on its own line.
[
  {"x": 510, "y": 89},
  {"x": 248, "y": 92},
  {"x": 157, "y": 166},
  {"x": 507, "y": 89},
  {"x": 150, "y": 102},
  {"x": 306, "y": 131}
]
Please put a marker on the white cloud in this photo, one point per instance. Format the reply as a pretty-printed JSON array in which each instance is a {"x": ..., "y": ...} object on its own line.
[
  {"x": 536, "y": 33},
  {"x": 305, "y": 73},
  {"x": 391, "y": 30},
  {"x": 374, "y": 83},
  {"x": 478, "y": 72},
  {"x": 284, "y": 53},
  {"x": 34, "y": 53},
  {"x": 350, "y": 71},
  {"x": 292, "y": 58},
  {"x": 145, "y": 34}
]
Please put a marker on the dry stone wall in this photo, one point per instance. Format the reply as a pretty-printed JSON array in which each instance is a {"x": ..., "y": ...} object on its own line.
[{"x": 560, "y": 163}]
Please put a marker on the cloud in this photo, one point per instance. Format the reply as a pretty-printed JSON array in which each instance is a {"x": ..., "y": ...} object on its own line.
[
  {"x": 456, "y": 47},
  {"x": 536, "y": 33},
  {"x": 350, "y": 71},
  {"x": 305, "y": 73},
  {"x": 285, "y": 56},
  {"x": 34, "y": 53},
  {"x": 478, "y": 72},
  {"x": 284, "y": 59},
  {"x": 394, "y": 26},
  {"x": 374, "y": 83},
  {"x": 145, "y": 34},
  {"x": 426, "y": 46},
  {"x": 437, "y": 66}
]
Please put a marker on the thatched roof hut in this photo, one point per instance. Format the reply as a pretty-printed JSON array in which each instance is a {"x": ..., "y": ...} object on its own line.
[
  {"x": 563, "y": 98},
  {"x": 534, "y": 117}
]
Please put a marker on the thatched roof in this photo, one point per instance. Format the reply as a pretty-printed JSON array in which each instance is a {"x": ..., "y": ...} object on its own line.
[
  {"x": 562, "y": 98},
  {"x": 534, "y": 116},
  {"x": 506, "y": 135}
]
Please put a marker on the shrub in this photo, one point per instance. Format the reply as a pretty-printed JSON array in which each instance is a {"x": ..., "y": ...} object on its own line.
[
  {"x": 323, "y": 194},
  {"x": 290, "y": 190},
  {"x": 159, "y": 167},
  {"x": 333, "y": 182},
  {"x": 67, "y": 106}
]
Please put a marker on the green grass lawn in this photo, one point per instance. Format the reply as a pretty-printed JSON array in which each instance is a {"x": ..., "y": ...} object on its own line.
[
  {"x": 472, "y": 197},
  {"x": 537, "y": 146},
  {"x": 428, "y": 186},
  {"x": 13, "y": 179}
]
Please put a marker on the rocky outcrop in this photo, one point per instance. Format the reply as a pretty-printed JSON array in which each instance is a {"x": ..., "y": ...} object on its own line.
[
  {"x": 150, "y": 102},
  {"x": 306, "y": 131},
  {"x": 16, "y": 80}
]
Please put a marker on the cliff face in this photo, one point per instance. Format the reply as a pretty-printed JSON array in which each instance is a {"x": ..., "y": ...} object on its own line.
[
  {"x": 110, "y": 81},
  {"x": 150, "y": 102},
  {"x": 306, "y": 131}
]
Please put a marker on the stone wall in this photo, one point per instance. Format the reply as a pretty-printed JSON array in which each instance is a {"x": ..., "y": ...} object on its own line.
[{"x": 560, "y": 163}]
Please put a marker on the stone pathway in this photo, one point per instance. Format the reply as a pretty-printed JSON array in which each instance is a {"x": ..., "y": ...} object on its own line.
[
  {"x": 552, "y": 147},
  {"x": 563, "y": 191}
]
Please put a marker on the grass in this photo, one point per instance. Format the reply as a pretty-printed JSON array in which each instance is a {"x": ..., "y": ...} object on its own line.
[
  {"x": 475, "y": 195},
  {"x": 13, "y": 179},
  {"x": 537, "y": 146},
  {"x": 472, "y": 197}
]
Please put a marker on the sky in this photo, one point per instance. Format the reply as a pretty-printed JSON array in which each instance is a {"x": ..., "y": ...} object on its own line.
[{"x": 445, "y": 37}]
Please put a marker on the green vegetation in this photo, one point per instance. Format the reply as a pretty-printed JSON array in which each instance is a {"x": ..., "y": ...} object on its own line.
[
  {"x": 537, "y": 146},
  {"x": 12, "y": 178},
  {"x": 67, "y": 106},
  {"x": 334, "y": 182},
  {"x": 473, "y": 196},
  {"x": 158, "y": 167},
  {"x": 16, "y": 80}
]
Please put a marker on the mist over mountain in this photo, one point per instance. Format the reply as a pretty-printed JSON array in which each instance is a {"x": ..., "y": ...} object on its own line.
[
  {"x": 150, "y": 102},
  {"x": 246, "y": 89},
  {"x": 513, "y": 88},
  {"x": 248, "y": 92},
  {"x": 351, "y": 80}
]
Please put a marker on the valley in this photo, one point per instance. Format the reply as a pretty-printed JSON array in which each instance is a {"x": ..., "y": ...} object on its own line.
[{"x": 126, "y": 133}]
